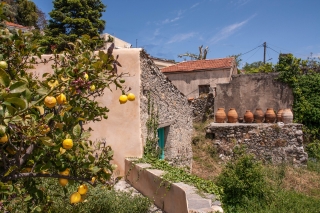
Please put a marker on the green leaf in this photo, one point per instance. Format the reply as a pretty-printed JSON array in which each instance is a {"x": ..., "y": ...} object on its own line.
[
  {"x": 4, "y": 78},
  {"x": 28, "y": 198},
  {"x": 2, "y": 130},
  {"x": 43, "y": 91},
  {"x": 91, "y": 158},
  {"x": 18, "y": 102},
  {"x": 49, "y": 117},
  {"x": 18, "y": 87},
  {"x": 36, "y": 209},
  {"x": 47, "y": 141},
  {"x": 11, "y": 169},
  {"x": 95, "y": 170},
  {"x": 76, "y": 130}
]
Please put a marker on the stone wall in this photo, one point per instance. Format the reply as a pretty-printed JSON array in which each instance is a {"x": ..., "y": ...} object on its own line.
[
  {"x": 275, "y": 143},
  {"x": 202, "y": 107},
  {"x": 173, "y": 109},
  {"x": 248, "y": 92}
]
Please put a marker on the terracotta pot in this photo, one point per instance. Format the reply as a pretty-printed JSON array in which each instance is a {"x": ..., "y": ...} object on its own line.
[
  {"x": 287, "y": 116},
  {"x": 270, "y": 116},
  {"x": 279, "y": 115},
  {"x": 220, "y": 115},
  {"x": 248, "y": 116},
  {"x": 232, "y": 116},
  {"x": 258, "y": 115}
]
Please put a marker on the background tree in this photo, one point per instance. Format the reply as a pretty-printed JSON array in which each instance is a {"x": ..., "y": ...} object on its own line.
[
  {"x": 72, "y": 19},
  {"x": 258, "y": 67},
  {"x": 201, "y": 56},
  {"x": 27, "y": 13},
  {"x": 9, "y": 10}
]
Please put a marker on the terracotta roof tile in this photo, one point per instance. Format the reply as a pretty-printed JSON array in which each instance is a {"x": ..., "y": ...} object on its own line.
[
  {"x": 10, "y": 24},
  {"x": 188, "y": 66}
]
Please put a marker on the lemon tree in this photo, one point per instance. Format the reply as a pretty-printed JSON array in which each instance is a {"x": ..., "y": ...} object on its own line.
[{"x": 42, "y": 118}]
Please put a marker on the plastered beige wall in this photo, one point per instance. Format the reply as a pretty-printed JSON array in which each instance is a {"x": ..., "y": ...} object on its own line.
[
  {"x": 188, "y": 82},
  {"x": 122, "y": 128}
]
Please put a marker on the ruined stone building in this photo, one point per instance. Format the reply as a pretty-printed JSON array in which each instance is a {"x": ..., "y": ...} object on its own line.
[{"x": 194, "y": 78}]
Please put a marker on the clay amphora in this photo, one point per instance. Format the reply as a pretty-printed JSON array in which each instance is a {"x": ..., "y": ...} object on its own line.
[
  {"x": 270, "y": 116},
  {"x": 220, "y": 115},
  {"x": 287, "y": 116},
  {"x": 258, "y": 115},
  {"x": 248, "y": 116},
  {"x": 232, "y": 116},
  {"x": 279, "y": 115}
]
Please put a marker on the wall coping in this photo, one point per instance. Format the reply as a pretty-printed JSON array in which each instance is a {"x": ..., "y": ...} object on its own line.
[{"x": 180, "y": 197}]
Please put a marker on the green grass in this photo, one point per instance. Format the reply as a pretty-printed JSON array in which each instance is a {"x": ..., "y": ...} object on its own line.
[{"x": 284, "y": 201}]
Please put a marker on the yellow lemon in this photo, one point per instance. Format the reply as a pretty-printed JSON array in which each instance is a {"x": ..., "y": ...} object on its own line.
[
  {"x": 50, "y": 101},
  {"x": 61, "y": 99},
  {"x": 131, "y": 97},
  {"x": 123, "y": 99},
  {"x": 67, "y": 144},
  {"x": 4, "y": 139},
  {"x": 65, "y": 172},
  {"x": 82, "y": 189},
  {"x": 86, "y": 76},
  {"x": 63, "y": 182},
  {"x": 92, "y": 87},
  {"x": 75, "y": 198}
]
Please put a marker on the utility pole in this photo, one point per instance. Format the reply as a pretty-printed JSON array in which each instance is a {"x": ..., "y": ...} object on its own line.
[{"x": 264, "y": 52}]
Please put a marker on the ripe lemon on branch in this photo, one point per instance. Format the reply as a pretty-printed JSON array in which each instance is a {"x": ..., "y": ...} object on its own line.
[
  {"x": 131, "y": 97},
  {"x": 123, "y": 99},
  {"x": 75, "y": 198},
  {"x": 82, "y": 189},
  {"x": 61, "y": 99},
  {"x": 67, "y": 144},
  {"x": 50, "y": 101}
]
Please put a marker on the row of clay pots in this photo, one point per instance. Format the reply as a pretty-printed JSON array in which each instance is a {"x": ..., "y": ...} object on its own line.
[{"x": 284, "y": 116}]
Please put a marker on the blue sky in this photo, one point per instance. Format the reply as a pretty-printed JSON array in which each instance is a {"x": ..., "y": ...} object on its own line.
[{"x": 167, "y": 28}]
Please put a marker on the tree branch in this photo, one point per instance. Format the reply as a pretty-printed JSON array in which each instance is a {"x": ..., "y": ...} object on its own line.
[
  {"x": 24, "y": 157},
  {"x": 38, "y": 175}
]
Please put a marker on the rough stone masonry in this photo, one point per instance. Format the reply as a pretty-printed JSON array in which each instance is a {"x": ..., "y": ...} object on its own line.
[
  {"x": 173, "y": 109},
  {"x": 275, "y": 143}
]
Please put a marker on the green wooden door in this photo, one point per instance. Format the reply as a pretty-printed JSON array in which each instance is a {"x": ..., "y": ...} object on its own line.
[{"x": 161, "y": 142}]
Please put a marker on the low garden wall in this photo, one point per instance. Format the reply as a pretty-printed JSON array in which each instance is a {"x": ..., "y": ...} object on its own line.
[{"x": 276, "y": 143}]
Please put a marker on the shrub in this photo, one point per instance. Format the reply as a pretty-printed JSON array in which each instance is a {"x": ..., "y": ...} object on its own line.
[
  {"x": 241, "y": 180},
  {"x": 98, "y": 199}
]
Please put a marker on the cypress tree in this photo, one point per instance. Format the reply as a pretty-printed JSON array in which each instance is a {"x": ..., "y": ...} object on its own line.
[{"x": 71, "y": 19}]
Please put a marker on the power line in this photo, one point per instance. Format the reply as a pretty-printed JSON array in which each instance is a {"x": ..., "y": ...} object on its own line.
[
  {"x": 272, "y": 49},
  {"x": 252, "y": 54},
  {"x": 250, "y": 50}
]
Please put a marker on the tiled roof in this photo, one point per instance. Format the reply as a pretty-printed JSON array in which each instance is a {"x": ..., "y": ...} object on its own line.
[
  {"x": 188, "y": 66},
  {"x": 10, "y": 24}
]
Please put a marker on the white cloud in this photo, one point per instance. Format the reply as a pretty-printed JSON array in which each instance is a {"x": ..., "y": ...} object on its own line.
[
  {"x": 228, "y": 31},
  {"x": 194, "y": 5},
  {"x": 181, "y": 37},
  {"x": 170, "y": 20},
  {"x": 239, "y": 2}
]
